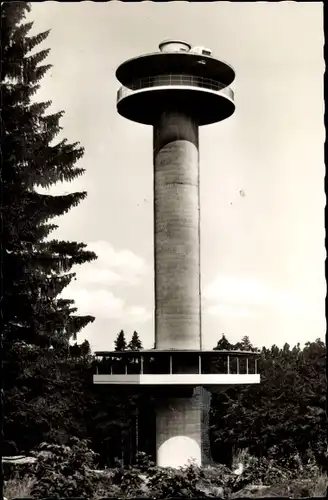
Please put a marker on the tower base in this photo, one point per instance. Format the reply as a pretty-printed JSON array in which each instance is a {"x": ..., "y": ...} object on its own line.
[{"x": 182, "y": 430}]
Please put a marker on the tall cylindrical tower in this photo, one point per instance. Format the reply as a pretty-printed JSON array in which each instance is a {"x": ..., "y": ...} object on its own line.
[
  {"x": 176, "y": 90},
  {"x": 176, "y": 231}
]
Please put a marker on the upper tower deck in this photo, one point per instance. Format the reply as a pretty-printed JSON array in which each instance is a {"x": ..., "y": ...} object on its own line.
[
  {"x": 177, "y": 77},
  {"x": 178, "y": 57}
]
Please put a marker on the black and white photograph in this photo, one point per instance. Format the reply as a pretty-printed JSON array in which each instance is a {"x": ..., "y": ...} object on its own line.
[{"x": 163, "y": 250}]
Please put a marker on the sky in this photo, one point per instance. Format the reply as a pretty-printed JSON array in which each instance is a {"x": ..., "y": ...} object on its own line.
[{"x": 262, "y": 250}]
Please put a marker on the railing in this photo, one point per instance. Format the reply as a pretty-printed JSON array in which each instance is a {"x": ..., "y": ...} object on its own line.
[
  {"x": 168, "y": 364},
  {"x": 174, "y": 80}
]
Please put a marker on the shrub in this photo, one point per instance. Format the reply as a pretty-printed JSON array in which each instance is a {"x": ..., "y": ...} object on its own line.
[
  {"x": 65, "y": 471},
  {"x": 129, "y": 481},
  {"x": 68, "y": 471}
]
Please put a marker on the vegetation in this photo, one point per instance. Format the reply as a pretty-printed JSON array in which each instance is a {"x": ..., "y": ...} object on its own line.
[
  {"x": 69, "y": 471},
  {"x": 36, "y": 269},
  {"x": 37, "y": 322},
  {"x": 282, "y": 415}
]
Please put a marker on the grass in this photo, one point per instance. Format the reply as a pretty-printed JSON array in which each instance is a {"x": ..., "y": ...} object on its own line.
[
  {"x": 18, "y": 487},
  {"x": 319, "y": 488}
]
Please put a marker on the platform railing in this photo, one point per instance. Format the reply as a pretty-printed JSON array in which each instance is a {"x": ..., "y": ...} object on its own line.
[
  {"x": 168, "y": 364},
  {"x": 173, "y": 80}
]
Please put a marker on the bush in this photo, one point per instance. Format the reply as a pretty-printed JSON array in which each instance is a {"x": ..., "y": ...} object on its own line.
[
  {"x": 65, "y": 471},
  {"x": 69, "y": 471}
]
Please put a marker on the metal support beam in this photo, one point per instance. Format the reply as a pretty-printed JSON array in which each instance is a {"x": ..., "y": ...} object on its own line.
[
  {"x": 228, "y": 359},
  {"x": 170, "y": 364}
]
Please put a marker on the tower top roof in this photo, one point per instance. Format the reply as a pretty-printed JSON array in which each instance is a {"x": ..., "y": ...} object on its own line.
[
  {"x": 174, "y": 45},
  {"x": 196, "y": 61}
]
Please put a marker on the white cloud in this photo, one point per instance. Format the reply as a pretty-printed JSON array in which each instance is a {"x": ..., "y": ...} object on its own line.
[
  {"x": 99, "y": 303},
  {"x": 238, "y": 290},
  {"x": 138, "y": 315},
  {"x": 112, "y": 266},
  {"x": 92, "y": 292},
  {"x": 245, "y": 297},
  {"x": 89, "y": 273},
  {"x": 103, "y": 304}
]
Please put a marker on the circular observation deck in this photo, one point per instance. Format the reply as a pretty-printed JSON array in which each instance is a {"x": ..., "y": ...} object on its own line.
[
  {"x": 144, "y": 99},
  {"x": 168, "y": 369}
]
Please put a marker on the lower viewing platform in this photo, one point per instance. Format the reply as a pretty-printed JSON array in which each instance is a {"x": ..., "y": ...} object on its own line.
[{"x": 178, "y": 368}]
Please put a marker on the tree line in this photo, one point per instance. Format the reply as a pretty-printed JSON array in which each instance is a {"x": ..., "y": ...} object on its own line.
[{"x": 47, "y": 387}]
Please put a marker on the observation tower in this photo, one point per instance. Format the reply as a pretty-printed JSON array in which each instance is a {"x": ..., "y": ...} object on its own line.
[{"x": 176, "y": 90}]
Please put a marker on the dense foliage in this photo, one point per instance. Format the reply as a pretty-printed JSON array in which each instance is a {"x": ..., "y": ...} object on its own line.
[
  {"x": 35, "y": 268},
  {"x": 69, "y": 471},
  {"x": 282, "y": 415}
]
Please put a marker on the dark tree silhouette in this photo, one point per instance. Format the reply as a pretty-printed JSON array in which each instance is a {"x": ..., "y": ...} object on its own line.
[
  {"x": 120, "y": 342},
  {"x": 35, "y": 269},
  {"x": 135, "y": 342},
  {"x": 37, "y": 323}
]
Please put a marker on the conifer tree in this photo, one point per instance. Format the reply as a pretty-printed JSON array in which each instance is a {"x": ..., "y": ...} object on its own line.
[
  {"x": 135, "y": 343},
  {"x": 120, "y": 342},
  {"x": 35, "y": 268},
  {"x": 223, "y": 344},
  {"x": 245, "y": 344}
]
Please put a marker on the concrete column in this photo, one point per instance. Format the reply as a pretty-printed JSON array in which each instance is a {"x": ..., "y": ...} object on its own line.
[
  {"x": 177, "y": 232},
  {"x": 178, "y": 432}
]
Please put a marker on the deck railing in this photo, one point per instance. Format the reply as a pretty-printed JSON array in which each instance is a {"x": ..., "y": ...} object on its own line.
[
  {"x": 174, "y": 80},
  {"x": 171, "y": 364}
]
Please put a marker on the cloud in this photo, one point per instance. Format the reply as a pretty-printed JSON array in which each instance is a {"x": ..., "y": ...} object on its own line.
[
  {"x": 103, "y": 304},
  {"x": 99, "y": 303},
  {"x": 138, "y": 314},
  {"x": 92, "y": 289},
  {"x": 112, "y": 266},
  {"x": 246, "y": 297},
  {"x": 238, "y": 290}
]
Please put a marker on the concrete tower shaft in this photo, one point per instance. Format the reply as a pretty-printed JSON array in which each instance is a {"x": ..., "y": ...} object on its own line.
[
  {"x": 176, "y": 232},
  {"x": 177, "y": 277}
]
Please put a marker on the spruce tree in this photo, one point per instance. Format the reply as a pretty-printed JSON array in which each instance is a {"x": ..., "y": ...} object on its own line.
[
  {"x": 120, "y": 342},
  {"x": 223, "y": 344},
  {"x": 135, "y": 343},
  {"x": 35, "y": 268},
  {"x": 245, "y": 344}
]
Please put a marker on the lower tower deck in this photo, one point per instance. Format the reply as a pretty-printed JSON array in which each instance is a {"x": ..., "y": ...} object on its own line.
[{"x": 181, "y": 382}]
